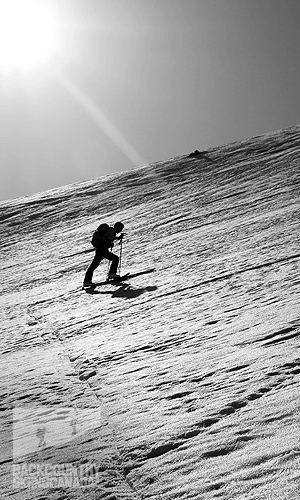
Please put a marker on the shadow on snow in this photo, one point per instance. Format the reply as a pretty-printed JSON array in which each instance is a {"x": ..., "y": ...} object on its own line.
[{"x": 124, "y": 291}]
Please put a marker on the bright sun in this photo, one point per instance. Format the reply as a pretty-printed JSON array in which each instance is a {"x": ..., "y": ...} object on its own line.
[{"x": 28, "y": 33}]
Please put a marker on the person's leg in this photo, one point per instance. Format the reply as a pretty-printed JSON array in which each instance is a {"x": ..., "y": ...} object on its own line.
[
  {"x": 114, "y": 261},
  {"x": 95, "y": 263}
]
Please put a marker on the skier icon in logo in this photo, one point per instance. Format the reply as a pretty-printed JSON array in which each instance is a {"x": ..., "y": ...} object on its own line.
[
  {"x": 40, "y": 434},
  {"x": 73, "y": 425}
]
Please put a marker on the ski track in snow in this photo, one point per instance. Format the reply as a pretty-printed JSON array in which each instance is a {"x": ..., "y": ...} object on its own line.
[{"x": 187, "y": 374}]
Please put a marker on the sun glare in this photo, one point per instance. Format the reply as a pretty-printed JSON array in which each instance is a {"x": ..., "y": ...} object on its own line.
[{"x": 28, "y": 33}]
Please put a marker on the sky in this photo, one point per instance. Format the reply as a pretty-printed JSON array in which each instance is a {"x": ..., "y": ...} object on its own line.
[{"x": 93, "y": 87}]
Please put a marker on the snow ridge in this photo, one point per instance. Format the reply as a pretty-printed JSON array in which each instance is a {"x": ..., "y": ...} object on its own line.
[{"x": 183, "y": 380}]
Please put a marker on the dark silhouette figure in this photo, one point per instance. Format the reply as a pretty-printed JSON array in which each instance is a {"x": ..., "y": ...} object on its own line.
[{"x": 103, "y": 240}]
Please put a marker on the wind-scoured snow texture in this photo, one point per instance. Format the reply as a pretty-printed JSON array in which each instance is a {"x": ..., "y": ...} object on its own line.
[{"x": 185, "y": 379}]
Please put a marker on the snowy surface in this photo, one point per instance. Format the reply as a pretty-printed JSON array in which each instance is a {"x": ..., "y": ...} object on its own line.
[{"x": 184, "y": 381}]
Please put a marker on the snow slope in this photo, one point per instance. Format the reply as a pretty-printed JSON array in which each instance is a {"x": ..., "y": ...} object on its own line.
[{"x": 184, "y": 381}]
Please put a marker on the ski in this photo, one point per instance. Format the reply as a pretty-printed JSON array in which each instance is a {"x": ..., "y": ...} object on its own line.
[
  {"x": 111, "y": 281},
  {"x": 115, "y": 281}
]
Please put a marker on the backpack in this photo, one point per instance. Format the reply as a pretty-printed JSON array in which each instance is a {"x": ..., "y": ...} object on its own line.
[{"x": 98, "y": 235}]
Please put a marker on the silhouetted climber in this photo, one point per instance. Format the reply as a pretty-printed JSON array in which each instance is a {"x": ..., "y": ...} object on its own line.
[{"x": 102, "y": 240}]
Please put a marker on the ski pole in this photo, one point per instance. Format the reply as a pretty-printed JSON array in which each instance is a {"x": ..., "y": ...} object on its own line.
[
  {"x": 108, "y": 266},
  {"x": 121, "y": 246}
]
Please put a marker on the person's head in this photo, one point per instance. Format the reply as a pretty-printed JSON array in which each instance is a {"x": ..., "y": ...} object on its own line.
[{"x": 118, "y": 227}]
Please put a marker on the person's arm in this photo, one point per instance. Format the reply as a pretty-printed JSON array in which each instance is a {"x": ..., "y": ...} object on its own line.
[{"x": 110, "y": 236}]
